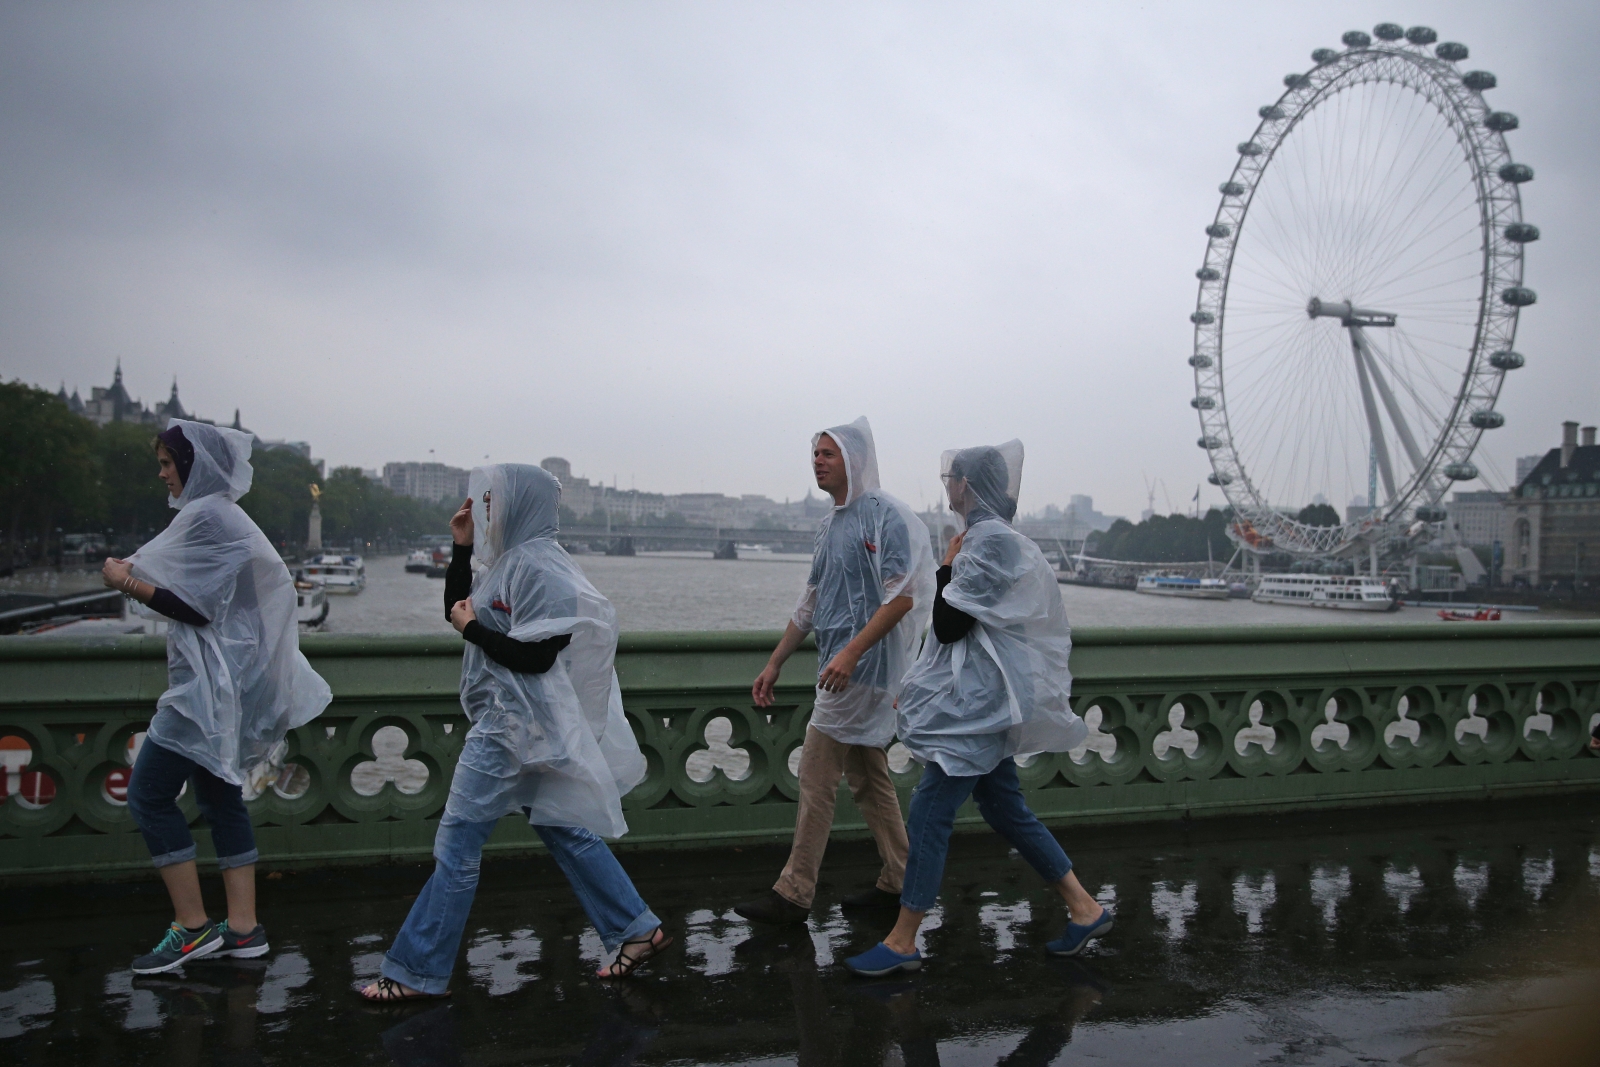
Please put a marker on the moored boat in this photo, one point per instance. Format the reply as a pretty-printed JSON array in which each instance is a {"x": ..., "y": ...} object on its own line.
[
  {"x": 1341, "y": 592},
  {"x": 1481, "y": 615},
  {"x": 1160, "y": 584},
  {"x": 311, "y": 600},
  {"x": 345, "y": 573},
  {"x": 418, "y": 561}
]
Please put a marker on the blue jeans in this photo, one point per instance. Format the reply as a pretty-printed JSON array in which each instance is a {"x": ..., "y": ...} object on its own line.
[
  {"x": 158, "y": 777},
  {"x": 424, "y": 953},
  {"x": 999, "y": 797}
]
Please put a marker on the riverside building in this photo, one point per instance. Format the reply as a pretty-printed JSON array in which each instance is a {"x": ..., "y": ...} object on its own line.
[{"x": 1552, "y": 518}]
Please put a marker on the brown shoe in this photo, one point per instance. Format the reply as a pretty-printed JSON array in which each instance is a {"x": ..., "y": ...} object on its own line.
[{"x": 772, "y": 908}]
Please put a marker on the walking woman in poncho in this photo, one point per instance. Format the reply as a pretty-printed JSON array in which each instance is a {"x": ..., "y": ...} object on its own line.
[
  {"x": 991, "y": 683},
  {"x": 548, "y": 735},
  {"x": 236, "y": 685}
]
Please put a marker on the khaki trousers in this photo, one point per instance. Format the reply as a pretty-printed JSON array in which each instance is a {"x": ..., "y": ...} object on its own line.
[{"x": 823, "y": 761}]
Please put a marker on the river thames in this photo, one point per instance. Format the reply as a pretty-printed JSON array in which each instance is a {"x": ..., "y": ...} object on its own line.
[{"x": 683, "y": 591}]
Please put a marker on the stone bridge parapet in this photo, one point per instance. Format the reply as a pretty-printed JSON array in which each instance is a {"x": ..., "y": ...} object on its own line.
[{"x": 1184, "y": 724}]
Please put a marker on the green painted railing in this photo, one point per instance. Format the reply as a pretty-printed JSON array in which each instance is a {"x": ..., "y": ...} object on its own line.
[{"x": 1186, "y": 723}]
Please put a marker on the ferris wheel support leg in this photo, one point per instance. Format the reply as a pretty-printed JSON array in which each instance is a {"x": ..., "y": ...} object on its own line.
[
  {"x": 1401, "y": 429},
  {"x": 1379, "y": 445}
]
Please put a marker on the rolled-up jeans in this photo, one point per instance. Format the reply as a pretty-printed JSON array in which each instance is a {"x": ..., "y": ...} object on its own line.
[
  {"x": 158, "y": 778},
  {"x": 933, "y": 815},
  {"x": 424, "y": 952}
]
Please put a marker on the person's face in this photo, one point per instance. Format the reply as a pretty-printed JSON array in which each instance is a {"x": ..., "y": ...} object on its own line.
[
  {"x": 168, "y": 472},
  {"x": 956, "y": 489},
  {"x": 827, "y": 463},
  {"x": 486, "y": 505}
]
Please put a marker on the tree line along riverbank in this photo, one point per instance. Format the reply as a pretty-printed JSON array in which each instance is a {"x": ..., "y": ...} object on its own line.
[{"x": 65, "y": 475}]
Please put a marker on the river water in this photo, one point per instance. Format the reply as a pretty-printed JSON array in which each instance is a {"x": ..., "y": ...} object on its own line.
[{"x": 684, "y": 591}]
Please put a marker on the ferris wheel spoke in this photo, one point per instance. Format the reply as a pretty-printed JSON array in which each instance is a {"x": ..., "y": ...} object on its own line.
[
  {"x": 1392, "y": 254},
  {"x": 1402, "y": 244}
]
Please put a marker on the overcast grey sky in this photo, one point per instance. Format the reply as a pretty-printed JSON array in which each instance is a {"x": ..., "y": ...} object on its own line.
[{"x": 668, "y": 241}]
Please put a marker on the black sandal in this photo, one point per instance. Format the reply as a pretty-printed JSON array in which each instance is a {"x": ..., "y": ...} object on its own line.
[
  {"x": 391, "y": 992},
  {"x": 624, "y": 965}
]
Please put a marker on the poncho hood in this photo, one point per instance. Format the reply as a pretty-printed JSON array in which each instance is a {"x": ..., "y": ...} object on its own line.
[
  {"x": 860, "y": 456},
  {"x": 993, "y": 474},
  {"x": 221, "y": 462},
  {"x": 524, "y": 505}
]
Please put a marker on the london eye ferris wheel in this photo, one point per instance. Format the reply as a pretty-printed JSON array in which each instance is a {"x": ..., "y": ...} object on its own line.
[{"x": 1358, "y": 303}]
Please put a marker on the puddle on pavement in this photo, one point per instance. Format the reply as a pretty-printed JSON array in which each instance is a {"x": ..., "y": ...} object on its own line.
[{"x": 1435, "y": 938}]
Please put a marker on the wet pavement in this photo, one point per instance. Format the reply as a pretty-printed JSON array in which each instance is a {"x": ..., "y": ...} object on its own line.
[{"x": 1437, "y": 935}]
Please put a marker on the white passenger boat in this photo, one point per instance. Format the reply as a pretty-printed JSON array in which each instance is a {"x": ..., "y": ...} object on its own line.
[
  {"x": 339, "y": 573},
  {"x": 1345, "y": 593},
  {"x": 311, "y": 600},
  {"x": 419, "y": 561},
  {"x": 1160, "y": 584}
]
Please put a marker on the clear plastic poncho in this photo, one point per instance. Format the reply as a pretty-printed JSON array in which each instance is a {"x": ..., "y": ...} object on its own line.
[
  {"x": 237, "y": 686},
  {"x": 1004, "y": 688},
  {"x": 557, "y": 743},
  {"x": 869, "y": 550}
]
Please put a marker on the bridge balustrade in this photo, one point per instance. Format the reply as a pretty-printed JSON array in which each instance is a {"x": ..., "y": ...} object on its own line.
[{"x": 1184, "y": 724}]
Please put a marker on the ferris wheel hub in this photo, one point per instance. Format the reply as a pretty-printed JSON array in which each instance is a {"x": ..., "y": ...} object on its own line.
[{"x": 1348, "y": 314}]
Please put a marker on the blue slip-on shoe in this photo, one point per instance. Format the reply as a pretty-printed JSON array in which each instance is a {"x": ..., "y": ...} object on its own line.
[
  {"x": 881, "y": 960},
  {"x": 1078, "y": 935}
]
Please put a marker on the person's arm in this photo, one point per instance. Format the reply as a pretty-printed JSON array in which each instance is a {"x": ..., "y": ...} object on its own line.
[
  {"x": 836, "y": 675},
  {"x": 118, "y": 574},
  {"x": 167, "y": 603},
  {"x": 767, "y": 680},
  {"x": 950, "y": 624},
  {"x": 458, "y": 577},
  {"x": 525, "y": 657}
]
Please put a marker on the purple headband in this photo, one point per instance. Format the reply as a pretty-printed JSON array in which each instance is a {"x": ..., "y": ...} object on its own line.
[{"x": 181, "y": 450}]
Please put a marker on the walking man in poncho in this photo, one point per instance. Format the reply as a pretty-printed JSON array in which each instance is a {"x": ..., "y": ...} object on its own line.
[
  {"x": 867, "y": 600},
  {"x": 236, "y": 685}
]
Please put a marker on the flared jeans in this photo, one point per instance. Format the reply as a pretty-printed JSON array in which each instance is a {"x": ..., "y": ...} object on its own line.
[{"x": 424, "y": 952}]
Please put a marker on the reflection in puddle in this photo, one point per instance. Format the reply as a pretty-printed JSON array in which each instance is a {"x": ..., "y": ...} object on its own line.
[
  {"x": 1253, "y": 896},
  {"x": 1537, "y": 874},
  {"x": 1329, "y": 885},
  {"x": 1002, "y": 920},
  {"x": 497, "y": 962},
  {"x": 710, "y": 938},
  {"x": 26, "y": 1006},
  {"x": 1175, "y": 905},
  {"x": 286, "y": 972},
  {"x": 1403, "y": 884},
  {"x": 140, "y": 1009}
]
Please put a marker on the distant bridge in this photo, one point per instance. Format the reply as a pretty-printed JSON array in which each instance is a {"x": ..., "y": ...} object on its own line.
[
  {"x": 719, "y": 539},
  {"x": 684, "y": 538}
]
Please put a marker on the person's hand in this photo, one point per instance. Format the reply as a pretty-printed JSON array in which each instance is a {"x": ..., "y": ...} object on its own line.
[
  {"x": 955, "y": 547},
  {"x": 461, "y": 524},
  {"x": 766, "y": 682},
  {"x": 117, "y": 574},
  {"x": 835, "y": 677},
  {"x": 462, "y": 614}
]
